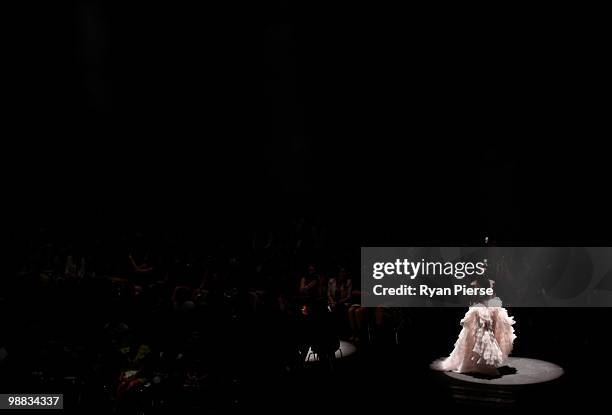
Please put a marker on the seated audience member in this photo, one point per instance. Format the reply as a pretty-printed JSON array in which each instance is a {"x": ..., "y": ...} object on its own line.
[
  {"x": 340, "y": 290},
  {"x": 357, "y": 317},
  {"x": 316, "y": 332},
  {"x": 181, "y": 299},
  {"x": 310, "y": 284},
  {"x": 71, "y": 269}
]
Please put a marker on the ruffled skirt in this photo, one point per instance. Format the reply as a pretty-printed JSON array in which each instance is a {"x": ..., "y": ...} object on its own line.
[{"x": 484, "y": 343}]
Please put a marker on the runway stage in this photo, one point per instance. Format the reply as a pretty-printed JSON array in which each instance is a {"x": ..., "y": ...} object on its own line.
[
  {"x": 521, "y": 383},
  {"x": 518, "y": 371}
]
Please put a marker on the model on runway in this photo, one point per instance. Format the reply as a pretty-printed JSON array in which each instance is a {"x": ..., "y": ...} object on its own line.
[{"x": 485, "y": 340}]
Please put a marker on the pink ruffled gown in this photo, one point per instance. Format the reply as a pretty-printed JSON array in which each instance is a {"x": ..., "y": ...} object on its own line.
[{"x": 484, "y": 342}]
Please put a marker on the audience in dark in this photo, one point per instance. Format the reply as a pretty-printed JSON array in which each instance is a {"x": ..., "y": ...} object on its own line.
[{"x": 160, "y": 316}]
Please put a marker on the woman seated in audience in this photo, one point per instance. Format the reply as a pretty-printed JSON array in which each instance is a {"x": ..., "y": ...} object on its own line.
[
  {"x": 340, "y": 291},
  {"x": 310, "y": 284}
]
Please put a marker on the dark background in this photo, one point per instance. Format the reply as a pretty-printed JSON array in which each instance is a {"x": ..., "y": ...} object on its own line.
[
  {"x": 119, "y": 107},
  {"x": 445, "y": 133},
  {"x": 144, "y": 118}
]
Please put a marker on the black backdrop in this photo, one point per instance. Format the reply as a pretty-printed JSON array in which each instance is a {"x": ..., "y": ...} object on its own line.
[
  {"x": 125, "y": 117},
  {"x": 426, "y": 131}
]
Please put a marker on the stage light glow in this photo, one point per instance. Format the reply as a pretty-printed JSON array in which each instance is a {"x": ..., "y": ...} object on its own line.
[
  {"x": 345, "y": 350},
  {"x": 525, "y": 372}
]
